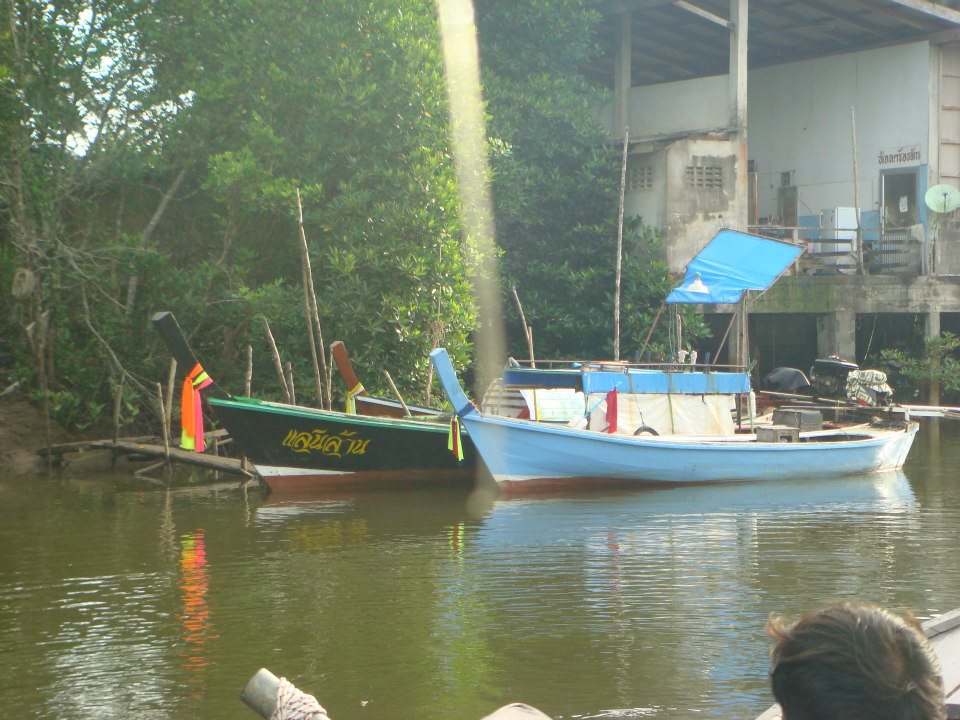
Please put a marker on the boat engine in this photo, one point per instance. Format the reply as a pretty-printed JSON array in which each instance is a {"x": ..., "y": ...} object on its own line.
[
  {"x": 835, "y": 378},
  {"x": 828, "y": 376}
]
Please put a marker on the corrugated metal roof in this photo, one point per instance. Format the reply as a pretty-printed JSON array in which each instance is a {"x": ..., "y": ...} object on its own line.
[{"x": 671, "y": 42}]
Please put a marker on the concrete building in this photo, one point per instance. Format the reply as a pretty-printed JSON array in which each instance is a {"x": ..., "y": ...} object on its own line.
[{"x": 783, "y": 117}]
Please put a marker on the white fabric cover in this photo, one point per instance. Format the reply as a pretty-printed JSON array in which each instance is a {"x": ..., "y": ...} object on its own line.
[{"x": 667, "y": 414}]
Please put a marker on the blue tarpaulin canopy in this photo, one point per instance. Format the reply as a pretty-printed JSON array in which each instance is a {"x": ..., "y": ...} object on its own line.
[{"x": 731, "y": 263}]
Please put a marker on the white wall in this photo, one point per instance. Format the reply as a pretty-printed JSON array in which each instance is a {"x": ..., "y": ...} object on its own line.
[
  {"x": 799, "y": 120},
  {"x": 671, "y": 108}
]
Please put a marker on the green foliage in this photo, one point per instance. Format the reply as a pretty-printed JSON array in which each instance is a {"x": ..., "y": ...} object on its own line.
[
  {"x": 936, "y": 361},
  {"x": 349, "y": 109},
  {"x": 556, "y": 186},
  {"x": 231, "y": 107},
  {"x": 154, "y": 151}
]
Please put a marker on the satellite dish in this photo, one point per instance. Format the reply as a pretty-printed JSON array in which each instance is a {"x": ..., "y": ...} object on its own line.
[{"x": 942, "y": 198}]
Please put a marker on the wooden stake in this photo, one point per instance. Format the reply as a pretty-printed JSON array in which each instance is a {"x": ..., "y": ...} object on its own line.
[
  {"x": 248, "y": 389},
  {"x": 527, "y": 330},
  {"x": 646, "y": 340},
  {"x": 171, "y": 384},
  {"x": 117, "y": 404},
  {"x": 308, "y": 316},
  {"x": 293, "y": 392},
  {"x": 396, "y": 392},
  {"x": 276, "y": 360},
  {"x": 163, "y": 418},
  {"x": 248, "y": 380},
  {"x": 312, "y": 297},
  {"x": 616, "y": 294},
  {"x": 723, "y": 340}
]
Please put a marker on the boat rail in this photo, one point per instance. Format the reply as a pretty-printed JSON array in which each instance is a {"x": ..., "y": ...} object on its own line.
[{"x": 619, "y": 365}]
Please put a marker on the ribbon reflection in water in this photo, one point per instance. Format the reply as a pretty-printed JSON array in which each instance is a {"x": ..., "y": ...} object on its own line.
[{"x": 195, "y": 616}]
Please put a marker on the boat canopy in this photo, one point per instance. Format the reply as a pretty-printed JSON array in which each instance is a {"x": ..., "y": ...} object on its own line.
[
  {"x": 730, "y": 263},
  {"x": 635, "y": 381},
  {"x": 643, "y": 382}
]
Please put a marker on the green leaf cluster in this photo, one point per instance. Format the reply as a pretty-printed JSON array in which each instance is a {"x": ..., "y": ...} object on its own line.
[
  {"x": 152, "y": 155},
  {"x": 556, "y": 186}
]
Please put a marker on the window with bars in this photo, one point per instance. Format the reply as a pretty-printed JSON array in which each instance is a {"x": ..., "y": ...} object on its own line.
[
  {"x": 639, "y": 177},
  {"x": 704, "y": 177}
]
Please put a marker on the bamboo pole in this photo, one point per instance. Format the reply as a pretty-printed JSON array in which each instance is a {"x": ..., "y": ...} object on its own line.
[
  {"x": 117, "y": 404},
  {"x": 293, "y": 392},
  {"x": 308, "y": 316},
  {"x": 616, "y": 294},
  {"x": 646, "y": 340},
  {"x": 276, "y": 359},
  {"x": 312, "y": 297},
  {"x": 248, "y": 389},
  {"x": 171, "y": 383},
  {"x": 527, "y": 330},
  {"x": 396, "y": 392},
  {"x": 436, "y": 337},
  {"x": 723, "y": 340},
  {"x": 248, "y": 379},
  {"x": 163, "y": 418}
]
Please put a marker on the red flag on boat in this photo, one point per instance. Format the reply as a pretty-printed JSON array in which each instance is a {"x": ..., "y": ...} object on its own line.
[{"x": 612, "y": 411}]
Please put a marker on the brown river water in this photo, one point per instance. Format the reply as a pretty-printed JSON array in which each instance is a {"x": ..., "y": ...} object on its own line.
[{"x": 119, "y": 600}]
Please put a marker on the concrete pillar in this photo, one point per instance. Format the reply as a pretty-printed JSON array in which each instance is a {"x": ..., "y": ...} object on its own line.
[
  {"x": 931, "y": 329},
  {"x": 738, "y": 64},
  {"x": 837, "y": 335},
  {"x": 738, "y": 106},
  {"x": 622, "y": 78}
]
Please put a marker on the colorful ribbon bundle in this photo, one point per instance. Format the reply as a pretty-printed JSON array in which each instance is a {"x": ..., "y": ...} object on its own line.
[
  {"x": 191, "y": 409},
  {"x": 351, "y": 399},
  {"x": 454, "y": 441}
]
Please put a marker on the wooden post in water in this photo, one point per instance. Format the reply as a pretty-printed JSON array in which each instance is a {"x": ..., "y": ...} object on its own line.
[
  {"x": 163, "y": 419},
  {"x": 248, "y": 389},
  {"x": 171, "y": 383},
  {"x": 117, "y": 404}
]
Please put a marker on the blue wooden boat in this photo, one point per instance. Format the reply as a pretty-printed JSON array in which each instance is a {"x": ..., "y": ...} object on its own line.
[
  {"x": 674, "y": 424},
  {"x": 529, "y": 454}
]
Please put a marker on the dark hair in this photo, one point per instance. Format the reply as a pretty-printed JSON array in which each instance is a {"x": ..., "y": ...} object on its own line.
[{"x": 855, "y": 661}]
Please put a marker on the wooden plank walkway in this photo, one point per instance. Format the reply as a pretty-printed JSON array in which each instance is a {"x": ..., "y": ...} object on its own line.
[
  {"x": 950, "y": 413},
  {"x": 943, "y": 632},
  {"x": 151, "y": 447}
]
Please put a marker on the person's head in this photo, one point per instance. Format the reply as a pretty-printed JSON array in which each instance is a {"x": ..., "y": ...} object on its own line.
[{"x": 854, "y": 661}]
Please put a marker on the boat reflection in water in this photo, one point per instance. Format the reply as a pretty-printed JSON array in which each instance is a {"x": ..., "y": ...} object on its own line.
[
  {"x": 538, "y": 517},
  {"x": 612, "y": 592}
]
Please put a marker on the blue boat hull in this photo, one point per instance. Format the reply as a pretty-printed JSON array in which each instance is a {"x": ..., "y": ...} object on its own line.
[{"x": 522, "y": 452}]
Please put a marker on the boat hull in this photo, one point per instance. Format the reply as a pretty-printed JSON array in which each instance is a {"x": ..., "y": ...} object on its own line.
[
  {"x": 521, "y": 453},
  {"x": 298, "y": 448}
]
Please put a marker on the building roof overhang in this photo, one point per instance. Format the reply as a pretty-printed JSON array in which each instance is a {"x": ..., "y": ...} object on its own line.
[{"x": 683, "y": 39}]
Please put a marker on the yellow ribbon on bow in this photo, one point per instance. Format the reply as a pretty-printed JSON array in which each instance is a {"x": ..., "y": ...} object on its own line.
[{"x": 454, "y": 441}]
